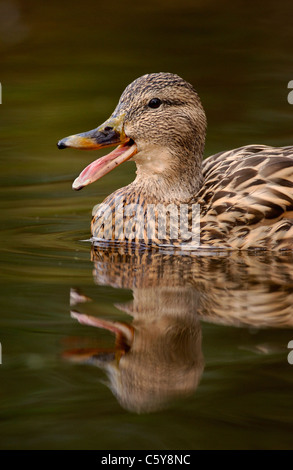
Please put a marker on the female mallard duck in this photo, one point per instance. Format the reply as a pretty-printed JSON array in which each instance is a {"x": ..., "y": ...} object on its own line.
[{"x": 245, "y": 195}]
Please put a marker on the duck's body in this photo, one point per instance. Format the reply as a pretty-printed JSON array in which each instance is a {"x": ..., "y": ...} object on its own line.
[
  {"x": 247, "y": 198},
  {"x": 243, "y": 197}
]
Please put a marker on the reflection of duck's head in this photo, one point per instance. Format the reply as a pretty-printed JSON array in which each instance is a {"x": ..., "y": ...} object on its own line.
[
  {"x": 159, "y": 122},
  {"x": 165, "y": 360},
  {"x": 158, "y": 357}
]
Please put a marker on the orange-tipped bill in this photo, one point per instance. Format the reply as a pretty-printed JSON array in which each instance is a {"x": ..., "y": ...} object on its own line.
[{"x": 108, "y": 134}]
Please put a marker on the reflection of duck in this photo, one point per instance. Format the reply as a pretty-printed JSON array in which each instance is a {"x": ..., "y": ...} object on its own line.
[
  {"x": 239, "y": 289},
  {"x": 158, "y": 357},
  {"x": 245, "y": 195}
]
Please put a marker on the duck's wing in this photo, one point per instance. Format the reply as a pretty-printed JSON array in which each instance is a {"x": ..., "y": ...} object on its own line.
[{"x": 247, "y": 198}]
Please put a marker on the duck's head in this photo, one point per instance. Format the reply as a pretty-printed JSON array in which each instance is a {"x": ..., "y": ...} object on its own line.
[{"x": 159, "y": 123}]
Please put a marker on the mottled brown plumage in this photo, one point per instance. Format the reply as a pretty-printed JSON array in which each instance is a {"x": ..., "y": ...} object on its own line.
[
  {"x": 247, "y": 198},
  {"x": 245, "y": 195}
]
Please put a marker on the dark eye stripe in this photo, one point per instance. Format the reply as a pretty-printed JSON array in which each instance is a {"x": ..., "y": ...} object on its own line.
[
  {"x": 174, "y": 102},
  {"x": 156, "y": 103}
]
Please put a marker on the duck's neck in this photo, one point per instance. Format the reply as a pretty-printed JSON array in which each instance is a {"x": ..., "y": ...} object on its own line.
[{"x": 167, "y": 178}]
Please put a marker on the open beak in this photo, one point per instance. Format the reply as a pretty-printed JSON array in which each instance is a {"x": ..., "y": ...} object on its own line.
[{"x": 108, "y": 134}]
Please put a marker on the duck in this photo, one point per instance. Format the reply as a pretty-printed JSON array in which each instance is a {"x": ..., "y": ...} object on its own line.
[{"x": 240, "y": 199}]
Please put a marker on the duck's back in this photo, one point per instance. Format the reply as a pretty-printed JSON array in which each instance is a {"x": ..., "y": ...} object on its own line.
[{"x": 247, "y": 198}]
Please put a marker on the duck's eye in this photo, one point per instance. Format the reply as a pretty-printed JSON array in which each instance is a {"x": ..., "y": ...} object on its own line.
[{"x": 155, "y": 103}]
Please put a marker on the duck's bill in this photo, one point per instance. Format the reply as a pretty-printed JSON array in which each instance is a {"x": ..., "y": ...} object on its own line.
[{"x": 98, "y": 139}]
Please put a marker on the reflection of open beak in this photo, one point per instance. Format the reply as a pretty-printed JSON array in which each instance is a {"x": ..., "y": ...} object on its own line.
[
  {"x": 106, "y": 135},
  {"x": 124, "y": 334}
]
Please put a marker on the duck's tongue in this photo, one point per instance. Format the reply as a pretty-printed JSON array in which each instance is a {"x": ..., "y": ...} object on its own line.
[{"x": 104, "y": 165}]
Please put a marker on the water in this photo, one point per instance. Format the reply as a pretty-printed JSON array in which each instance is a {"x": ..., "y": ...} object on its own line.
[{"x": 207, "y": 365}]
